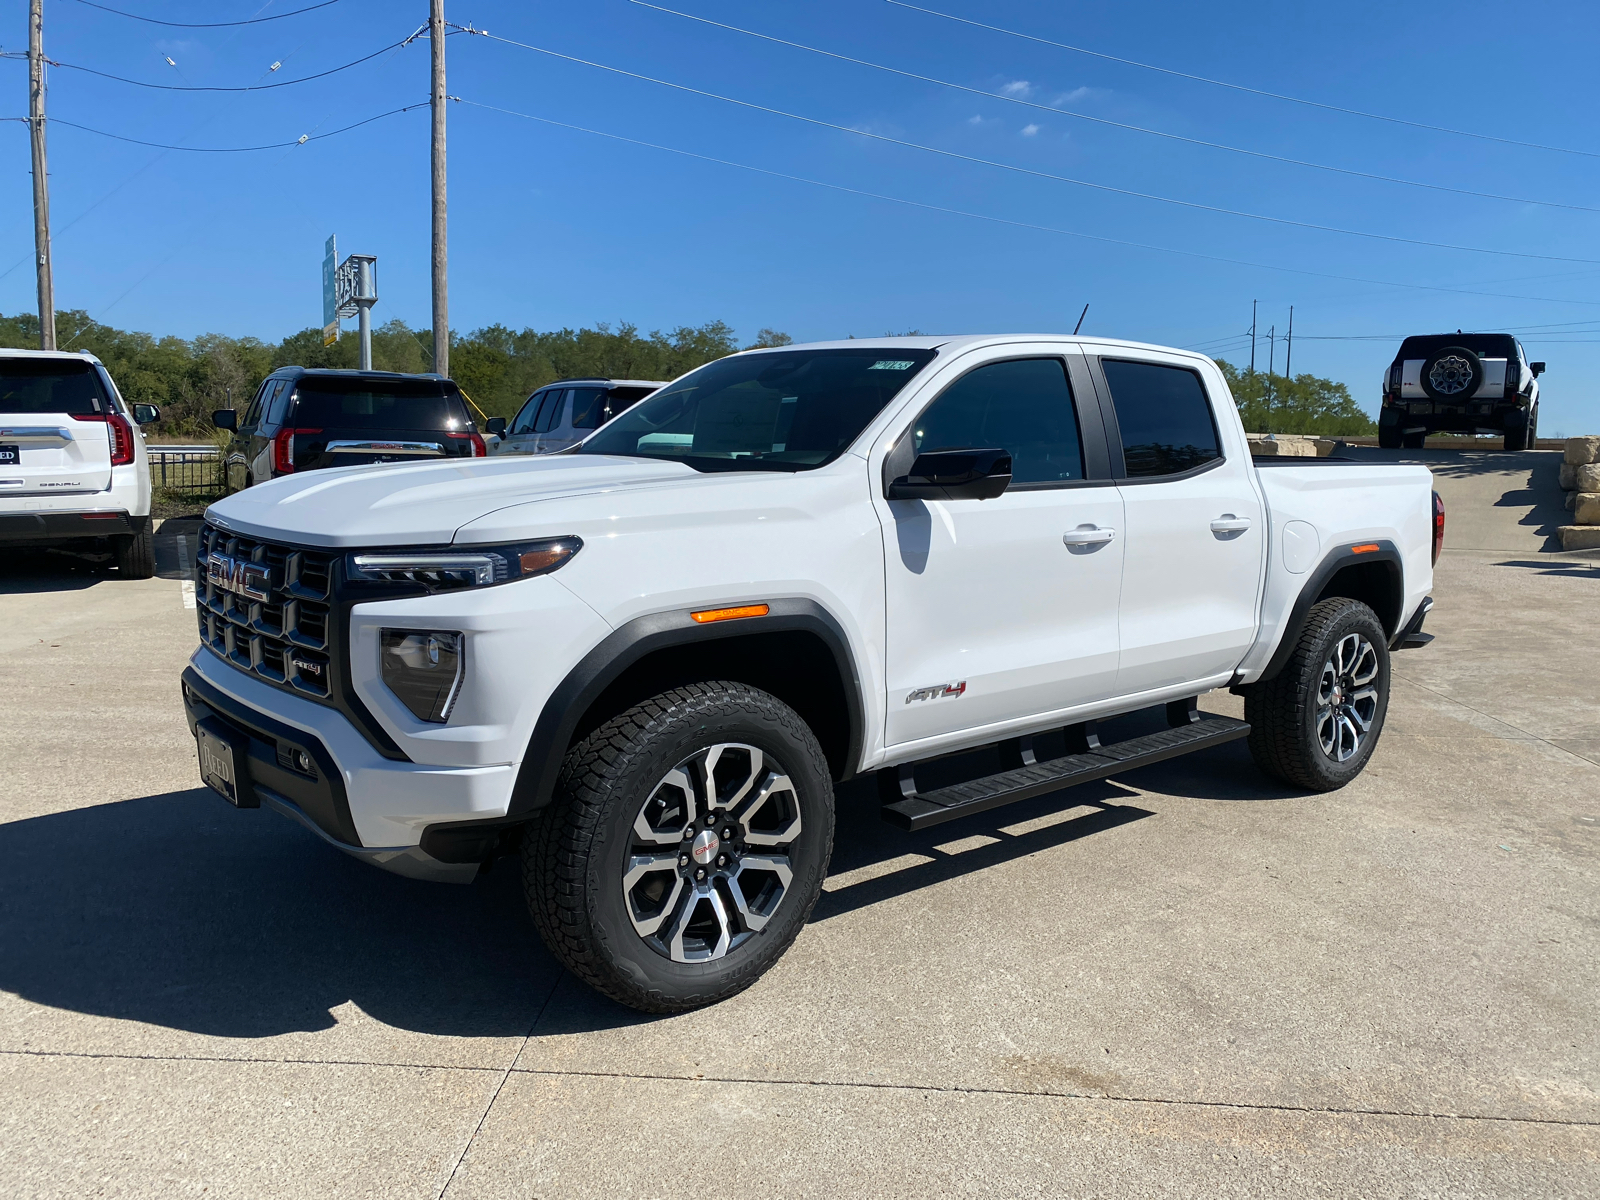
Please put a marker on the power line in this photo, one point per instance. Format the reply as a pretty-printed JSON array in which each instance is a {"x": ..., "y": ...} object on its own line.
[
  {"x": 1239, "y": 87},
  {"x": 207, "y": 25},
  {"x": 1093, "y": 237},
  {"x": 1102, "y": 187},
  {"x": 1081, "y": 116},
  {"x": 260, "y": 87},
  {"x": 300, "y": 141}
]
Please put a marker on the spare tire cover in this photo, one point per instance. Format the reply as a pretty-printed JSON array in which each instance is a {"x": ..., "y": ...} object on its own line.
[{"x": 1452, "y": 373}]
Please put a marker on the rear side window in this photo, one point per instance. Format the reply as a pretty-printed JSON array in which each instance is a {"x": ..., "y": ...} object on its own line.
[
  {"x": 588, "y": 407},
  {"x": 278, "y": 403},
  {"x": 1024, "y": 406},
  {"x": 550, "y": 410},
  {"x": 1164, "y": 417},
  {"x": 334, "y": 402},
  {"x": 30, "y": 386}
]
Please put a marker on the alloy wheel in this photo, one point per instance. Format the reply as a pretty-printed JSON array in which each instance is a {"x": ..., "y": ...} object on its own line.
[
  {"x": 1347, "y": 697},
  {"x": 1450, "y": 374},
  {"x": 709, "y": 864}
]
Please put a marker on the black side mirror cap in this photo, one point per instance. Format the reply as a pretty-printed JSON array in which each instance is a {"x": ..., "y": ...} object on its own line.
[
  {"x": 955, "y": 475},
  {"x": 1537, "y": 369},
  {"x": 146, "y": 414},
  {"x": 225, "y": 418},
  {"x": 495, "y": 426}
]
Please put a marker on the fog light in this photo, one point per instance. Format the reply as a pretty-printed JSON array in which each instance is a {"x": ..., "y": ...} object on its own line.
[{"x": 424, "y": 669}]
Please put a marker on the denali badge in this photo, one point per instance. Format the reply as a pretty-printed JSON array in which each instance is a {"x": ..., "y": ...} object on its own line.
[
  {"x": 938, "y": 691},
  {"x": 250, "y": 580}
]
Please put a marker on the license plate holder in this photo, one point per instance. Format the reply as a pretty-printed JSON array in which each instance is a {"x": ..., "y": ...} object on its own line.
[
  {"x": 223, "y": 763},
  {"x": 10, "y": 456}
]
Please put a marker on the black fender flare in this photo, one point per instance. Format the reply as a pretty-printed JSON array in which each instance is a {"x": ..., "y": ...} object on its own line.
[
  {"x": 632, "y": 641},
  {"x": 1376, "y": 551}
]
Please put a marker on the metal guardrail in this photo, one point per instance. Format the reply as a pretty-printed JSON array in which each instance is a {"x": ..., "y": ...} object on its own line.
[{"x": 186, "y": 470}]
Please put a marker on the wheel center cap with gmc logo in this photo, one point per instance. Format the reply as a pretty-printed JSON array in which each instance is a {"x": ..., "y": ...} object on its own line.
[{"x": 705, "y": 847}]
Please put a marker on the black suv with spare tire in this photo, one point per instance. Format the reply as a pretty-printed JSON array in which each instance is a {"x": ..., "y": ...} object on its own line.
[{"x": 1460, "y": 383}]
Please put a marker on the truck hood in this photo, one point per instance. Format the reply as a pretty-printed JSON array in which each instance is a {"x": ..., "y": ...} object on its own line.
[{"x": 426, "y": 503}]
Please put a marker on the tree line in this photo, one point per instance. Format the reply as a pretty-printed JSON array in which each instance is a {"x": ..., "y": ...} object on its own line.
[{"x": 499, "y": 367}]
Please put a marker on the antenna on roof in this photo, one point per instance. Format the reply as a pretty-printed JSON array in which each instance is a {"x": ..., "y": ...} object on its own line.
[{"x": 1081, "y": 316}]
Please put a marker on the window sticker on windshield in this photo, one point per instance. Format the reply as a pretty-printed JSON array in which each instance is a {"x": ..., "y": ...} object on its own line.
[{"x": 891, "y": 364}]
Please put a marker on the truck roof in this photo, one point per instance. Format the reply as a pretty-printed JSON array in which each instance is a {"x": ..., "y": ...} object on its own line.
[{"x": 968, "y": 340}]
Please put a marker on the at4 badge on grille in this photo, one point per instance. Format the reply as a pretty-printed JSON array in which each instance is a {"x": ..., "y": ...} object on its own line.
[{"x": 250, "y": 580}]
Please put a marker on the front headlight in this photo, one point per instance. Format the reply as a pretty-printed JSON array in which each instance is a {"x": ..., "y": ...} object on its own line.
[
  {"x": 466, "y": 567},
  {"x": 424, "y": 669}
]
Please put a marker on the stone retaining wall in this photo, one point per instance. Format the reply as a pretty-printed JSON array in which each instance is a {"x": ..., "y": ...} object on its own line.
[{"x": 1580, "y": 479}]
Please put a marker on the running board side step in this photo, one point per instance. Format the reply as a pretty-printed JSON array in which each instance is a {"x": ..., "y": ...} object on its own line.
[{"x": 920, "y": 810}]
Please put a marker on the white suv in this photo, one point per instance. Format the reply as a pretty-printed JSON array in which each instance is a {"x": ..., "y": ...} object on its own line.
[
  {"x": 561, "y": 415},
  {"x": 73, "y": 469}
]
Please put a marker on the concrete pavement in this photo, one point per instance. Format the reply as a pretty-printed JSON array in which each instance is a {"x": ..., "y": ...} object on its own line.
[{"x": 1192, "y": 983}]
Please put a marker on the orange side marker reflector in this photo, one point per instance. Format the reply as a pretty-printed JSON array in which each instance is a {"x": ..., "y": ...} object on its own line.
[
  {"x": 1367, "y": 549},
  {"x": 733, "y": 614}
]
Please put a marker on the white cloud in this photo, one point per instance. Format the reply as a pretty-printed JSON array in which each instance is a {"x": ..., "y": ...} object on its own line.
[
  {"x": 1077, "y": 94},
  {"x": 1029, "y": 130},
  {"x": 977, "y": 120},
  {"x": 1017, "y": 87}
]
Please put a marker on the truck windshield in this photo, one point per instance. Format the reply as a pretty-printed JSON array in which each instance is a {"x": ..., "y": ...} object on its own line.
[
  {"x": 788, "y": 410},
  {"x": 49, "y": 385},
  {"x": 333, "y": 402}
]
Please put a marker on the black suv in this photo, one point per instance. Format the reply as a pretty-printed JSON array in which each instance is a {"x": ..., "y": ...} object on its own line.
[
  {"x": 1460, "y": 383},
  {"x": 304, "y": 418}
]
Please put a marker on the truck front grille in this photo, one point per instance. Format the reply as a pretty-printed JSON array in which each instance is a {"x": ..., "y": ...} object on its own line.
[{"x": 286, "y": 639}]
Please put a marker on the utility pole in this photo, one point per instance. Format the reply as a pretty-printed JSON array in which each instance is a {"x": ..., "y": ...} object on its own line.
[
  {"x": 1272, "y": 351},
  {"x": 1288, "y": 346},
  {"x": 41, "y": 176},
  {"x": 441, "y": 277},
  {"x": 1252, "y": 339}
]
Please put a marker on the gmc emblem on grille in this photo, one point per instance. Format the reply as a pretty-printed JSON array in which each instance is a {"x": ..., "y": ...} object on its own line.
[{"x": 250, "y": 580}]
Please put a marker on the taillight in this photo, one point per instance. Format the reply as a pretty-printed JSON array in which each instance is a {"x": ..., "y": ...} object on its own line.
[
  {"x": 121, "y": 439},
  {"x": 120, "y": 431},
  {"x": 1438, "y": 527},
  {"x": 283, "y": 449},
  {"x": 1513, "y": 378},
  {"x": 479, "y": 450}
]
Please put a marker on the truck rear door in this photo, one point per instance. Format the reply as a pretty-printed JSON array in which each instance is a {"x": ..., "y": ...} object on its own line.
[
  {"x": 1194, "y": 530},
  {"x": 54, "y": 439}
]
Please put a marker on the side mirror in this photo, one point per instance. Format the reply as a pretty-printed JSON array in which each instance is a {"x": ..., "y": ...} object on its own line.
[
  {"x": 954, "y": 475},
  {"x": 225, "y": 418},
  {"x": 146, "y": 414},
  {"x": 495, "y": 426},
  {"x": 1536, "y": 368}
]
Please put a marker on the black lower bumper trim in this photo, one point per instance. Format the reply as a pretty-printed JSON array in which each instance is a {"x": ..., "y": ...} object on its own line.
[
  {"x": 271, "y": 754},
  {"x": 63, "y": 526},
  {"x": 1411, "y": 636}
]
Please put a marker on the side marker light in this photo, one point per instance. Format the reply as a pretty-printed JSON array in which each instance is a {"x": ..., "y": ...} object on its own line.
[
  {"x": 705, "y": 616},
  {"x": 1367, "y": 549}
]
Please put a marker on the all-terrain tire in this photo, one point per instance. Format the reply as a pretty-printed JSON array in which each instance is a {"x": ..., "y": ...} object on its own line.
[
  {"x": 1287, "y": 712},
  {"x": 136, "y": 552},
  {"x": 1414, "y": 441},
  {"x": 580, "y": 847},
  {"x": 1389, "y": 437}
]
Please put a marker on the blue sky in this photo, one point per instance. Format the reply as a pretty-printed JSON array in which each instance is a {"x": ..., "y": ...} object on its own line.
[{"x": 554, "y": 227}]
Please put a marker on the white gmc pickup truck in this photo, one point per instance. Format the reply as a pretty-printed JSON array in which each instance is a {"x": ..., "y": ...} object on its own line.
[{"x": 642, "y": 665}]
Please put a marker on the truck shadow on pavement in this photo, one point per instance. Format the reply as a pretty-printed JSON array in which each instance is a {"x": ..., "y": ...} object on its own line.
[
  {"x": 31, "y": 571},
  {"x": 178, "y": 911}
]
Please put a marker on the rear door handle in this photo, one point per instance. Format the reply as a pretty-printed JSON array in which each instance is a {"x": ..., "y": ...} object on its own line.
[
  {"x": 1228, "y": 523},
  {"x": 1088, "y": 535}
]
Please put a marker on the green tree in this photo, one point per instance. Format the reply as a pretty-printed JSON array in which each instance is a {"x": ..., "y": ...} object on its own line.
[{"x": 1304, "y": 404}]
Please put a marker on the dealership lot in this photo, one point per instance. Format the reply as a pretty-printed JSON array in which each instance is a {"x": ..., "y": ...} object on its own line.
[{"x": 1193, "y": 982}]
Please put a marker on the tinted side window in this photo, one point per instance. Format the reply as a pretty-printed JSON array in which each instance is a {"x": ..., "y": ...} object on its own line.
[
  {"x": 587, "y": 406},
  {"x": 524, "y": 419},
  {"x": 1023, "y": 406},
  {"x": 1164, "y": 418},
  {"x": 253, "y": 417},
  {"x": 550, "y": 410},
  {"x": 278, "y": 404}
]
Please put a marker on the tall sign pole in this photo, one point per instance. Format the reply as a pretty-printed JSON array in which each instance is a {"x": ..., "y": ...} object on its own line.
[
  {"x": 441, "y": 278},
  {"x": 41, "y": 176}
]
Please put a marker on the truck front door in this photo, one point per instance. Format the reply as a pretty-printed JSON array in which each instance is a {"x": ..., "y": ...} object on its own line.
[{"x": 1004, "y": 609}]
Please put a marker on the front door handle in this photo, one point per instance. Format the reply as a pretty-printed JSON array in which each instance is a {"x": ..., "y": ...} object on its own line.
[
  {"x": 1088, "y": 535},
  {"x": 1228, "y": 523}
]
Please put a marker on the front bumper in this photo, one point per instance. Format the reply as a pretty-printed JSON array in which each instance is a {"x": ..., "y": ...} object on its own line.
[{"x": 371, "y": 807}]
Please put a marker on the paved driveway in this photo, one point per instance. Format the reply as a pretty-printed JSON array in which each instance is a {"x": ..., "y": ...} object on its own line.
[{"x": 1192, "y": 983}]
